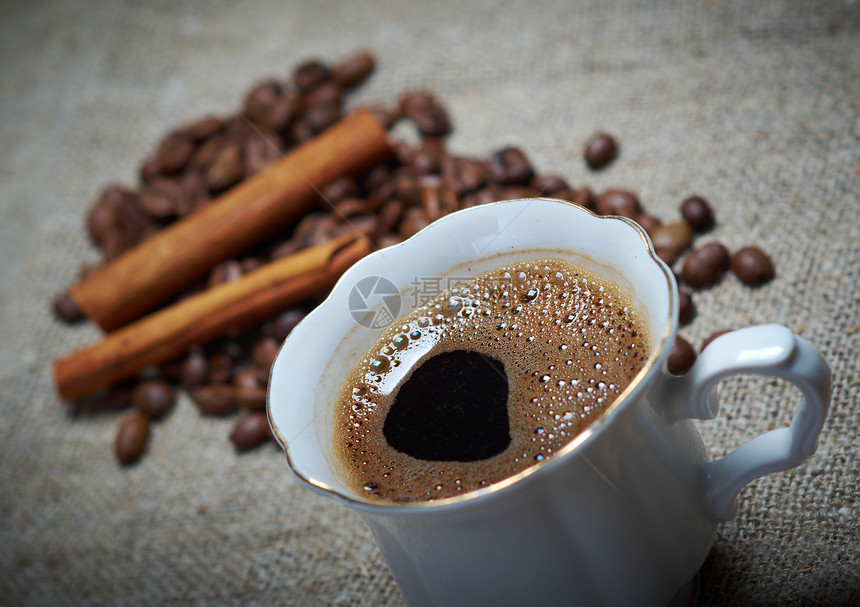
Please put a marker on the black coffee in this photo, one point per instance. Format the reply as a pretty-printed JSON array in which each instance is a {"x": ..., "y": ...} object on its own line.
[
  {"x": 454, "y": 407},
  {"x": 486, "y": 379}
]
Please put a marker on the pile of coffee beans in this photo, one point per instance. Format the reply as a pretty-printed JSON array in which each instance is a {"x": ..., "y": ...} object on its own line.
[{"x": 196, "y": 162}]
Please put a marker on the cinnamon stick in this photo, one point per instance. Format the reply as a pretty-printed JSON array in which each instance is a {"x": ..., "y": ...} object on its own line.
[
  {"x": 166, "y": 334},
  {"x": 159, "y": 267}
]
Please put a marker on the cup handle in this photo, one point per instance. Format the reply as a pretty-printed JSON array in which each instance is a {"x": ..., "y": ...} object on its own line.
[{"x": 769, "y": 350}]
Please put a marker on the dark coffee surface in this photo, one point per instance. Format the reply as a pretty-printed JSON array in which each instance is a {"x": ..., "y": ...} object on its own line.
[
  {"x": 486, "y": 379},
  {"x": 454, "y": 407}
]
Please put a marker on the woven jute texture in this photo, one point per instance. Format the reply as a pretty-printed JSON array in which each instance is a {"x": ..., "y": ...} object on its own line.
[{"x": 753, "y": 105}]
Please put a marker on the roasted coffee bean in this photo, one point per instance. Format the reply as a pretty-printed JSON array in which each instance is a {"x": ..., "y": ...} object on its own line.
[
  {"x": 713, "y": 336},
  {"x": 600, "y": 151},
  {"x": 406, "y": 188},
  {"x": 150, "y": 169},
  {"x": 251, "y": 377},
  {"x": 154, "y": 398},
  {"x": 161, "y": 198},
  {"x": 226, "y": 170},
  {"x": 463, "y": 175},
  {"x": 249, "y": 387},
  {"x": 260, "y": 100},
  {"x": 131, "y": 438},
  {"x": 131, "y": 224},
  {"x": 706, "y": 265},
  {"x": 429, "y": 156},
  {"x": 286, "y": 322},
  {"x": 388, "y": 240},
  {"x": 483, "y": 196},
  {"x": 667, "y": 257},
  {"x": 649, "y": 223},
  {"x": 283, "y": 112},
  {"x": 238, "y": 131},
  {"x": 376, "y": 177},
  {"x": 681, "y": 356},
  {"x": 220, "y": 368},
  {"x": 307, "y": 225},
  {"x": 509, "y": 166},
  {"x": 422, "y": 108},
  {"x": 437, "y": 202},
  {"x": 300, "y": 132},
  {"x": 215, "y": 399},
  {"x": 310, "y": 74},
  {"x": 675, "y": 237},
  {"x": 752, "y": 266},
  {"x": 390, "y": 215},
  {"x": 101, "y": 217},
  {"x": 380, "y": 195},
  {"x": 194, "y": 193},
  {"x": 261, "y": 150},
  {"x": 697, "y": 213},
  {"x": 337, "y": 190},
  {"x": 321, "y": 116},
  {"x": 206, "y": 154},
  {"x": 250, "y": 432},
  {"x": 448, "y": 200},
  {"x": 350, "y": 207},
  {"x": 686, "y": 307},
  {"x": 618, "y": 202},
  {"x": 366, "y": 224},
  {"x": 582, "y": 197},
  {"x": 328, "y": 93},
  {"x": 413, "y": 222},
  {"x": 66, "y": 309},
  {"x": 204, "y": 128},
  {"x": 114, "y": 246},
  {"x": 547, "y": 185},
  {"x": 321, "y": 231},
  {"x": 264, "y": 351},
  {"x": 253, "y": 399},
  {"x": 174, "y": 152},
  {"x": 354, "y": 69},
  {"x": 195, "y": 371}
]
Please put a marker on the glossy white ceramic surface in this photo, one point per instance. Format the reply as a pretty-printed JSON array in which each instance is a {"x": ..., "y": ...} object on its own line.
[{"x": 626, "y": 513}]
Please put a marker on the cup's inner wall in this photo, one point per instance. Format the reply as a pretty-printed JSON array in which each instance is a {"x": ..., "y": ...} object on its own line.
[{"x": 322, "y": 350}]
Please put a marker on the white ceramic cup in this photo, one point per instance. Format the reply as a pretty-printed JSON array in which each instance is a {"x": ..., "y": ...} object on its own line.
[{"x": 626, "y": 513}]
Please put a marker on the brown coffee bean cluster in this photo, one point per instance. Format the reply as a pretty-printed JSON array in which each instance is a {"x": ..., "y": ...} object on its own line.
[
  {"x": 701, "y": 267},
  {"x": 196, "y": 162},
  {"x": 187, "y": 169}
]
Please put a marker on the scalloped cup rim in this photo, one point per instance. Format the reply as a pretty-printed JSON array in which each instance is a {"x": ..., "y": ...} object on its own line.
[{"x": 315, "y": 322}]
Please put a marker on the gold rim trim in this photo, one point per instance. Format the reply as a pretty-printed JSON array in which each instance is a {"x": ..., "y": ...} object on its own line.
[{"x": 567, "y": 449}]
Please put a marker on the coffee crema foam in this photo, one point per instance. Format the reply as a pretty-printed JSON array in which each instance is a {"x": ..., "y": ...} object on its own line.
[{"x": 569, "y": 340}]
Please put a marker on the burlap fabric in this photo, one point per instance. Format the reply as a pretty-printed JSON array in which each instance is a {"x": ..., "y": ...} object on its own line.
[{"x": 753, "y": 105}]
